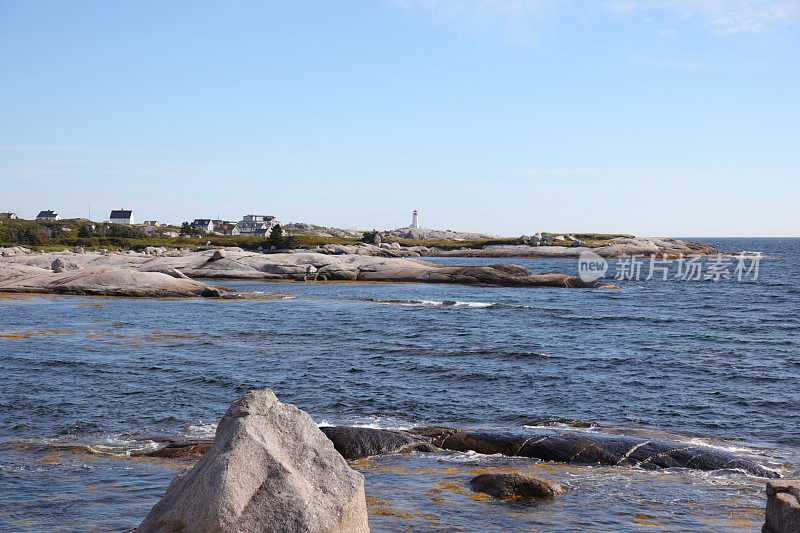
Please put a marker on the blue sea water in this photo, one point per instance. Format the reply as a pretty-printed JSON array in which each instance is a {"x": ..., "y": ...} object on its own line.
[{"x": 87, "y": 380}]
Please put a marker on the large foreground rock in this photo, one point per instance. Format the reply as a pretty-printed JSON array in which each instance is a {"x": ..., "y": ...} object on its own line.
[
  {"x": 517, "y": 486},
  {"x": 782, "y": 514},
  {"x": 270, "y": 468}
]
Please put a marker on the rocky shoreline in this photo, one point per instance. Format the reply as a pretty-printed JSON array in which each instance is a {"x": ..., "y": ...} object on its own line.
[
  {"x": 270, "y": 468},
  {"x": 174, "y": 273},
  {"x": 556, "y": 446}
]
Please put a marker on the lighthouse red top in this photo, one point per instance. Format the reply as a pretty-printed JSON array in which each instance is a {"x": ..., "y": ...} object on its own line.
[{"x": 415, "y": 211}]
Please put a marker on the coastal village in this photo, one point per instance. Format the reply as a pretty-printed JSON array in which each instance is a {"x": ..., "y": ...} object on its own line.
[{"x": 253, "y": 225}]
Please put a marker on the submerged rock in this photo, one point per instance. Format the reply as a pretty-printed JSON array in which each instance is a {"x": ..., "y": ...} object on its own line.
[
  {"x": 178, "y": 449},
  {"x": 782, "y": 514},
  {"x": 270, "y": 468},
  {"x": 517, "y": 486}
]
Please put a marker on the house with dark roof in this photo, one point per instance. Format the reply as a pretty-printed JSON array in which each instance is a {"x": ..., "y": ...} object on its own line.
[
  {"x": 48, "y": 215},
  {"x": 121, "y": 216},
  {"x": 9, "y": 215},
  {"x": 203, "y": 224}
]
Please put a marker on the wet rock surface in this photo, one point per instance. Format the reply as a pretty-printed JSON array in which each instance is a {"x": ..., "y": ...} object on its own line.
[
  {"x": 517, "y": 486},
  {"x": 563, "y": 447},
  {"x": 178, "y": 449},
  {"x": 355, "y": 442},
  {"x": 591, "y": 448}
]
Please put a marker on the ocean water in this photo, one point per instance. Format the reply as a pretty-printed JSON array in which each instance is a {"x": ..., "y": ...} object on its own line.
[{"x": 86, "y": 380}]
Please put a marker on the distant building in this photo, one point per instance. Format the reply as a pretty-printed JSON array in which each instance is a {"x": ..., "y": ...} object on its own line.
[
  {"x": 228, "y": 228},
  {"x": 203, "y": 224},
  {"x": 121, "y": 216},
  {"x": 152, "y": 223},
  {"x": 48, "y": 215},
  {"x": 257, "y": 224},
  {"x": 9, "y": 215}
]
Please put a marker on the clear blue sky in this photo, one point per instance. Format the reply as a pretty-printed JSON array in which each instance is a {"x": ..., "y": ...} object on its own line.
[{"x": 655, "y": 117}]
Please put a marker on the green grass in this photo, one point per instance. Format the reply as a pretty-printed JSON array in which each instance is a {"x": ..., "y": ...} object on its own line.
[{"x": 57, "y": 235}]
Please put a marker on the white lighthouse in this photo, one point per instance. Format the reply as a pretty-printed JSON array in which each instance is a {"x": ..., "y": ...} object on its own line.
[{"x": 414, "y": 221}]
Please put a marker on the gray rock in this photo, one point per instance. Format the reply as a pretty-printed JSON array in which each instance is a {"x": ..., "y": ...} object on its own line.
[
  {"x": 155, "y": 250},
  {"x": 517, "y": 486},
  {"x": 61, "y": 265},
  {"x": 782, "y": 514},
  {"x": 101, "y": 281},
  {"x": 78, "y": 250},
  {"x": 547, "y": 239},
  {"x": 377, "y": 239},
  {"x": 577, "y": 242},
  {"x": 270, "y": 468},
  {"x": 355, "y": 442},
  {"x": 559, "y": 238},
  {"x": 590, "y": 448},
  {"x": 217, "y": 255}
]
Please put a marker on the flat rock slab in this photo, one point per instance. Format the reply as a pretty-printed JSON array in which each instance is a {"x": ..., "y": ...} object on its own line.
[
  {"x": 231, "y": 264},
  {"x": 101, "y": 281}
]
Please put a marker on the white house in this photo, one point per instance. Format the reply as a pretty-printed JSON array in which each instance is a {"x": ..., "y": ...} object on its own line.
[
  {"x": 255, "y": 224},
  {"x": 203, "y": 224},
  {"x": 8, "y": 215},
  {"x": 48, "y": 215},
  {"x": 121, "y": 216}
]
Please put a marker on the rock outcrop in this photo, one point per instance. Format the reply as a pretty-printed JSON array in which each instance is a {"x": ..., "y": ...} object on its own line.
[
  {"x": 100, "y": 281},
  {"x": 295, "y": 265},
  {"x": 60, "y": 265},
  {"x": 590, "y": 448},
  {"x": 517, "y": 486},
  {"x": 355, "y": 442},
  {"x": 618, "y": 247},
  {"x": 269, "y": 469},
  {"x": 782, "y": 514},
  {"x": 572, "y": 447}
]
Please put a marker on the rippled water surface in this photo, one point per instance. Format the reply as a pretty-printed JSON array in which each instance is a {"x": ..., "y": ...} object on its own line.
[{"x": 86, "y": 380}]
